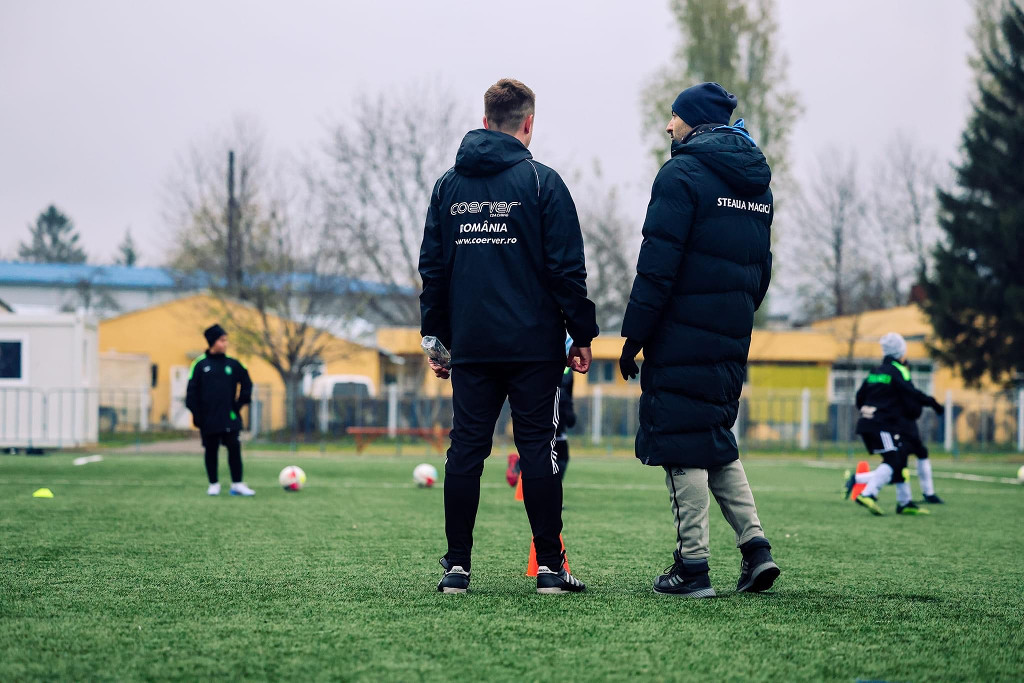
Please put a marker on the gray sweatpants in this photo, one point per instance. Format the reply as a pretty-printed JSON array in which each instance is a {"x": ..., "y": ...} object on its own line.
[{"x": 688, "y": 487}]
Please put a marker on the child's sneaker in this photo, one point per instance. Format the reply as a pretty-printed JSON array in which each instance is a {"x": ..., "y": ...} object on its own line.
[
  {"x": 240, "y": 489},
  {"x": 512, "y": 471},
  {"x": 213, "y": 489},
  {"x": 871, "y": 503},
  {"x": 849, "y": 481},
  {"x": 910, "y": 509}
]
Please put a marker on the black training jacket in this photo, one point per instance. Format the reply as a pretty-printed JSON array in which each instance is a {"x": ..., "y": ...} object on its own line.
[
  {"x": 888, "y": 400},
  {"x": 218, "y": 387},
  {"x": 704, "y": 267},
  {"x": 502, "y": 260}
]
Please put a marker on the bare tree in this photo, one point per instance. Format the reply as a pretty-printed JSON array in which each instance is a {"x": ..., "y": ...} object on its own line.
[
  {"x": 735, "y": 43},
  {"x": 834, "y": 272},
  {"x": 903, "y": 206},
  {"x": 196, "y": 201},
  {"x": 293, "y": 289},
  {"x": 381, "y": 168},
  {"x": 611, "y": 242}
]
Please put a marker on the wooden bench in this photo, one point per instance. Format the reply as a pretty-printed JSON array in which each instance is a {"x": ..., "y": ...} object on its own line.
[{"x": 435, "y": 436}]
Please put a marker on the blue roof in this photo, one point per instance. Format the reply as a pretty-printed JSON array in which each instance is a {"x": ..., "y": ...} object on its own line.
[
  {"x": 71, "y": 274},
  {"x": 125, "y": 277}
]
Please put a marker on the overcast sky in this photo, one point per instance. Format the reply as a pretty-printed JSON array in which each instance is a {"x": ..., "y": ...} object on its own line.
[{"x": 98, "y": 99}]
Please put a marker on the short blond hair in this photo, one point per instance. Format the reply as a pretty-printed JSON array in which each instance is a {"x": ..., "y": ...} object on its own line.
[{"x": 507, "y": 103}]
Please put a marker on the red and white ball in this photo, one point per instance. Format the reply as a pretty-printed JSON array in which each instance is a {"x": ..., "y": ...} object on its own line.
[
  {"x": 292, "y": 478},
  {"x": 425, "y": 475}
]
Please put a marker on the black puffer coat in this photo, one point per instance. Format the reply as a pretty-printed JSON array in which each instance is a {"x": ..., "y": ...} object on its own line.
[{"x": 703, "y": 270}]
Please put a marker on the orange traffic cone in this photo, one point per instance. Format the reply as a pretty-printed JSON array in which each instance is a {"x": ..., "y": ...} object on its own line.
[
  {"x": 862, "y": 467},
  {"x": 519, "y": 489},
  {"x": 531, "y": 565}
]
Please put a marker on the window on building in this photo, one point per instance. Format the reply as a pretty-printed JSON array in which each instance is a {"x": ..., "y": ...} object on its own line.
[
  {"x": 602, "y": 372},
  {"x": 11, "y": 360}
]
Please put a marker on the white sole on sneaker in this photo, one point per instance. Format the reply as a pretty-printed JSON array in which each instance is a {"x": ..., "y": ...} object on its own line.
[
  {"x": 702, "y": 593},
  {"x": 453, "y": 591}
]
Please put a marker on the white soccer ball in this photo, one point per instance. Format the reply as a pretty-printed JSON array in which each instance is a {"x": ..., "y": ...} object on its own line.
[
  {"x": 425, "y": 475},
  {"x": 292, "y": 478},
  {"x": 1020, "y": 475}
]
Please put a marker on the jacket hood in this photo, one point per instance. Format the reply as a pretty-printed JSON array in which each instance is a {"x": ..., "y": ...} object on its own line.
[
  {"x": 486, "y": 152},
  {"x": 731, "y": 154}
]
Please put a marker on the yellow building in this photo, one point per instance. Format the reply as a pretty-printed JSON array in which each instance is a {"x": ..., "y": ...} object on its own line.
[
  {"x": 171, "y": 335},
  {"x": 830, "y": 358},
  {"x": 779, "y": 359}
]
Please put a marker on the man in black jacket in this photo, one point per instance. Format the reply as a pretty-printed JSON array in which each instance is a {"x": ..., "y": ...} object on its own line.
[
  {"x": 704, "y": 267},
  {"x": 887, "y": 400},
  {"x": 218, "y": 387},
  {"x": 504, "y": 278}
]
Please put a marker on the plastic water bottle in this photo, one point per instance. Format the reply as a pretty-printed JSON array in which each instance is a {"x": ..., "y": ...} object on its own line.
[{"x": 435, "y": 350}]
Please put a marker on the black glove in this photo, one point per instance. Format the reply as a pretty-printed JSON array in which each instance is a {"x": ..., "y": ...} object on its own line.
[
  {"x": 627, "y": 364},
  {"x": 938, "y": 407}
]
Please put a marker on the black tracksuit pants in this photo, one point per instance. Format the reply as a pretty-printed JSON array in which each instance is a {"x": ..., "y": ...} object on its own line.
[
  {"x": 478, "y": 393},
  {"x": 211, "y": 446}
]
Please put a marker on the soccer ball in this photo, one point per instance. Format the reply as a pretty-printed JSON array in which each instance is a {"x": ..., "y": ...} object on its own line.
[
  {"x": 425, "y": 475},
  {"x": 292, "y": 478},
  {"x": 1020, "y": 475}
]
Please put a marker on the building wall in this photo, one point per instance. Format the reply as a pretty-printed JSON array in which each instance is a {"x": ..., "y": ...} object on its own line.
[
  {"x": 55, "y": 402},
  {"x": 773, "y": 376}
]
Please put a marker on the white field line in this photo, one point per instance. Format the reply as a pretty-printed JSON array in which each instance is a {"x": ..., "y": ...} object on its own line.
[
  {"x": 385, "y": 485},
  {"x": 938, "y": 474},
  {"x": 346, "y": 484}
]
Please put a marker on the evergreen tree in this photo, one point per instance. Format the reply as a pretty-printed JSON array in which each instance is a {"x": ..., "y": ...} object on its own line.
[
  {"x": 54, "y": 240},
  {"x": 126, "y": 253},
  {"x": 976, "y": 296}
]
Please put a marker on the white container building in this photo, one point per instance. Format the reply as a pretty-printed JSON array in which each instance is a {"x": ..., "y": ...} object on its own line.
[{"x": 49, "y": 378}]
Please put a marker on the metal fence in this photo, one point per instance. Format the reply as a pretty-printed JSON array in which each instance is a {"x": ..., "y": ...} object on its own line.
[{"x": 779, "y": 420}]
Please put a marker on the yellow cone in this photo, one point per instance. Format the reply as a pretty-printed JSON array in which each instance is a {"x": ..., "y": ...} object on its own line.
[{"x": 43, "y": 493}]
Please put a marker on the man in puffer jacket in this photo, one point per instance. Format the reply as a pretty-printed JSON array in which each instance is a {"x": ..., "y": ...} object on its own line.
[{"x": 704, "y": 267}]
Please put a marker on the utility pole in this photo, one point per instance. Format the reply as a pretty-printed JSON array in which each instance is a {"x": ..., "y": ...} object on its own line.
[{"x": 234, "y": 266}]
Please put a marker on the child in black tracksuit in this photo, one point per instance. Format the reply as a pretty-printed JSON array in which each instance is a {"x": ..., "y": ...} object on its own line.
[
  {"x": 218, "y": 388},
  {"x": 886, "y": 400}
]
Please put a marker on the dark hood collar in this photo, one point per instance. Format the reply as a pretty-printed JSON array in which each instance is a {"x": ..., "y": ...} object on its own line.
[
  {"x": 731, "y": 154},
  {"x": 486, "y": 152}
]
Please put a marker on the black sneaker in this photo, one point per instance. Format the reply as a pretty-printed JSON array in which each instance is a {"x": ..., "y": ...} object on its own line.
[
  {"x": 933, "y": 499},
  {"x": 910, "y": 509},
  {"x": 685, "y": 578},
  {"x": 550, "y": 582},
  {"x": 758, "y": 570},
  {"x": 455, "y": 579}
]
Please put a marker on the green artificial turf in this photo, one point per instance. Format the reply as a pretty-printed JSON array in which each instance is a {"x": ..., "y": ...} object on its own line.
[{"x": 132, "y": 572}]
